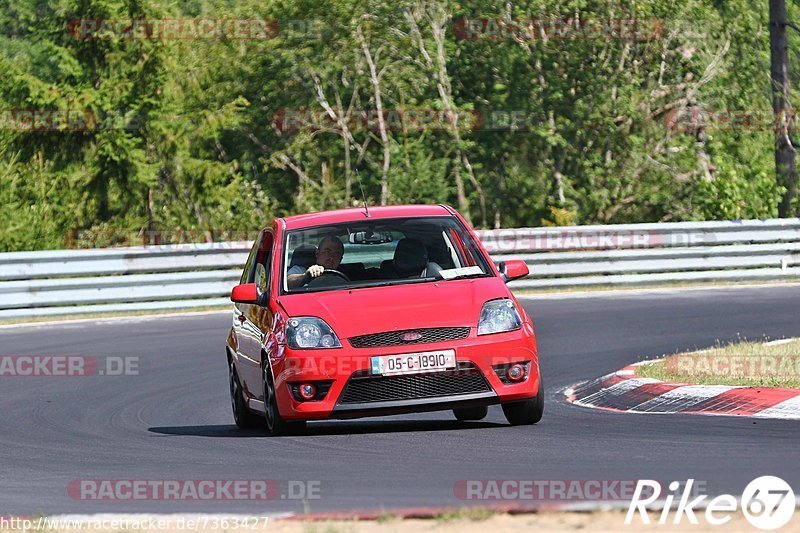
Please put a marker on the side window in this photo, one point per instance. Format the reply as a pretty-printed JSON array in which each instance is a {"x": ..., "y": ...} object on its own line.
[
  {"x": 457, "y": 250},
  {"x": 444, "y": 253},
  {"x": 248, "y": 267},
  {"x": 263, "y": 262},
  {"x": 463, "y": 241}
]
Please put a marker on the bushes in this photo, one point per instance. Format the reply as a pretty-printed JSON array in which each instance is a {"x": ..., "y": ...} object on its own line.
[{"x": 186, "y": 134}]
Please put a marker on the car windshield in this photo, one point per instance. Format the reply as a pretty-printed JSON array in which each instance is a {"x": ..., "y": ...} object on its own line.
[{"x": 380, "y": 252}]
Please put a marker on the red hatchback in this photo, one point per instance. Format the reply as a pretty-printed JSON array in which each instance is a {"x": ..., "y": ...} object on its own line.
[{"x": 398, "y": 309}]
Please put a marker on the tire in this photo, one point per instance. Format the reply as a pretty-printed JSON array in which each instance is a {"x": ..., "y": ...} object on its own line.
[
  {"x": 277, "y": 426},
  {"x": 526, "y": 412},
  {"x": 471, "y": 413},
  {"x": 244, "y": 418}
]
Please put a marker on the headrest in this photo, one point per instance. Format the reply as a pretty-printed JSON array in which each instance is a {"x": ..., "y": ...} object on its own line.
[
  {"x": 410, "y": 257},
  {"x": 304, "y": 256}
]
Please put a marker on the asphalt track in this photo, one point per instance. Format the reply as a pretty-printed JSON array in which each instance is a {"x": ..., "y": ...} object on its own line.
[{"x": 173, "y": 421}]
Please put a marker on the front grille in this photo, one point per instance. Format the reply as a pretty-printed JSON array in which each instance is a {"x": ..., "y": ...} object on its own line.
[
  {"x": 363, "y": 388},
  {"x": 392, "y": 338}
]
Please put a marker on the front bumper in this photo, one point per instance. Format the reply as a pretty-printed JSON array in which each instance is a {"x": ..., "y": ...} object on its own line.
[
  {"x": 422, "y": 392},
  {"x": 420, "y": 405}
]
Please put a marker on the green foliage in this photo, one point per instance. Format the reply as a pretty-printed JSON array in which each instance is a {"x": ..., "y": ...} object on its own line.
[
  {"x": 188, "y": 133},
  {"x": 560, "y": 217}
]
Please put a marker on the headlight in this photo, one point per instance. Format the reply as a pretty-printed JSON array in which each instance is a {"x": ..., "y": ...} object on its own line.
[
  {"x": 498, "y": 316},
  {"x": 310, "y": 332}
]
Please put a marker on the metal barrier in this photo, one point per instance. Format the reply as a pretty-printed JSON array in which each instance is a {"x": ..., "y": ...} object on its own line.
[
  {"x": 51, "y": 283},
  {"x": 647, "y": 254},
  {"x": 115, "y": 280}
]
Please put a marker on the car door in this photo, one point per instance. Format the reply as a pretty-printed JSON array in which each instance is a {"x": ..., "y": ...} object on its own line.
[
  {"x": 256, "y": 319},
  {"x": 246, "y": 317},
  {"x": 240, "y": 332}
]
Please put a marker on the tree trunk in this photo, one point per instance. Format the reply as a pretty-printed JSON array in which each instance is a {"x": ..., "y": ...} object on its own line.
[
  {"x": 376, "y": 88},
  {"x": 437, "y": 19},
  {"x": 785, "y": 167},
  {"x": 499, "y": 206}
]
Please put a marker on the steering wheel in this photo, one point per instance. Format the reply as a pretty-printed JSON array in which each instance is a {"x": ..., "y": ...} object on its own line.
[
  {"x": 320, "y": 281},
  {"x": 335, "y": 272}
]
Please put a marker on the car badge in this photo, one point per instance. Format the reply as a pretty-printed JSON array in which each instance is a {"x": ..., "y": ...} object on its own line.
[{"x": 410, "y": 336}]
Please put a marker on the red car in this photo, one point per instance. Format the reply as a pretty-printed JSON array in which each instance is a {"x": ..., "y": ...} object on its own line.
[{"x": 378, "y": 311}]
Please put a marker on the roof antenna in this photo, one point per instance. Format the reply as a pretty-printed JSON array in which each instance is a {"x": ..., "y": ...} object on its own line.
[{"x": 361, "y": 186}]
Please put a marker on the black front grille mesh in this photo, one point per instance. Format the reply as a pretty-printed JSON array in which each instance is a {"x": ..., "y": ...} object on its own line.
[
  {"x": 467, "y": 379},
  {"x": 393, "y": 338}
]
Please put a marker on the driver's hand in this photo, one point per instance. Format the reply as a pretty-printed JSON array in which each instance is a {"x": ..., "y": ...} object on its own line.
[{"x": 315, "y": 270}]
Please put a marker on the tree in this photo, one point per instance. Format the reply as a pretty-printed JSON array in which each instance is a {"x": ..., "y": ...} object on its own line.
[{"x": 785, "y": 151}]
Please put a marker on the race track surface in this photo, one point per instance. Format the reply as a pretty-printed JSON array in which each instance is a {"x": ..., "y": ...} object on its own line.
[{"x": 173, "y": 421}]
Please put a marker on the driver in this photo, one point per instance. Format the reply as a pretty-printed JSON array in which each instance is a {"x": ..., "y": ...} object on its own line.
[{"x": 329, "y": 256}]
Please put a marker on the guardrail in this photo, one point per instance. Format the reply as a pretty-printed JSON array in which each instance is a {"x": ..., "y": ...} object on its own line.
[
  {"x": 641, "y": 254},
  {"x": 51, "y": 283},
  {"x": 112, "y": 280}
]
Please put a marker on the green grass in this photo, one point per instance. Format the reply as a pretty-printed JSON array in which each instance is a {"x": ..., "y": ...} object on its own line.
[
  {"x": 386, "y": 516},
  {"x": 475, "y": 514},
  {"x": 749, "y": 364}
]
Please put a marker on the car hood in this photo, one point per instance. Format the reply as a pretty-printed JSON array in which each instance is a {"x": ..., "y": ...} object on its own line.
[{"x": 412, "y": 306}]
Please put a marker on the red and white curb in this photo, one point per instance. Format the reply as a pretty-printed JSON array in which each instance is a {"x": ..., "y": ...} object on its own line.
[{"x": 625, "y": 391}]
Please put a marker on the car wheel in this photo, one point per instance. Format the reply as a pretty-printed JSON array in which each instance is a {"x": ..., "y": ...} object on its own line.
[
  {"x": 526, "y": 412},
  {"x": 471, "y": 413},
  {"x": 277, "y": 426},
  {"x": 241, "y": 414}
]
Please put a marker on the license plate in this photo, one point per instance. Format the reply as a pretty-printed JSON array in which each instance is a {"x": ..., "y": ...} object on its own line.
[{"x": 413, "y": 363}]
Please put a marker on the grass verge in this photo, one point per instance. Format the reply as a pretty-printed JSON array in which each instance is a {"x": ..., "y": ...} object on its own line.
[{"x": 749, "y": 364}]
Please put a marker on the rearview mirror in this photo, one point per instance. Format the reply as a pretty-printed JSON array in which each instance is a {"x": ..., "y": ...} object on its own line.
[
  {"x": 513, "y": 269},
  {"x": 245, "y": 294},
  {"x": 370, "y": 237}
]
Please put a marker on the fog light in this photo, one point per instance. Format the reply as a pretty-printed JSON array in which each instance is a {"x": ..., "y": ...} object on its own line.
[
  {"x": 516, "y": 372},
  {"x": 307, "y": 391}
]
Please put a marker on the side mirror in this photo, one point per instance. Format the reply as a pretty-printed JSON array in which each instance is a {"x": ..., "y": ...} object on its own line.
[
  {"x": 245, "y": 294},
  {"x": 513, "y": 269}
]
